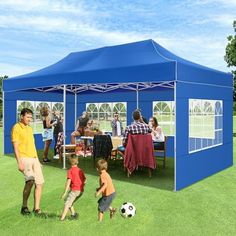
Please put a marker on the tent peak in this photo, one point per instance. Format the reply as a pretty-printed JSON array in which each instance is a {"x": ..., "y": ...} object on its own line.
[{"x": 137, "y": 43}]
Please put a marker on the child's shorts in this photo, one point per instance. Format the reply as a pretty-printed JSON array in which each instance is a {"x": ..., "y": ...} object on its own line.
[
  {"x": 105, "y": 201},
  {"x": 72, "y": 197}
]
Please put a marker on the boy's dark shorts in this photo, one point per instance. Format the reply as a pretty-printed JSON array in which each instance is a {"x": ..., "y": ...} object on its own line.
[{"x": 105, "y": 202}]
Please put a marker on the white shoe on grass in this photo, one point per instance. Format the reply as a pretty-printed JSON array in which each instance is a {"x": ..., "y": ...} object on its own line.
[{"x": 56, "y": 157}]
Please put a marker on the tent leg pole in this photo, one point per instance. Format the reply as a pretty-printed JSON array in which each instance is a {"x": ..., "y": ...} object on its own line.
[
  {"x": 3, "y": 121},
  {"x": 64, "y": 127},
  {"x": 175, "y": 138},
  {"x": 137, "y": 97},
  {"x": 75, "y": 108}
]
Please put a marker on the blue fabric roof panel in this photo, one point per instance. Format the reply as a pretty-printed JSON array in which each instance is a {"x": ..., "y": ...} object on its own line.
[
  {"x": 144, "y": 61},
  {"x": 145, "y": 73}
]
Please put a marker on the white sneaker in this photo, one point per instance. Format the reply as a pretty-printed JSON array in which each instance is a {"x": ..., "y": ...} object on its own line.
[{"x": 56, "y": 157}]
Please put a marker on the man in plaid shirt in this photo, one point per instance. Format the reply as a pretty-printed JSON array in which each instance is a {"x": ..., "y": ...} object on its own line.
[{"x": 137, "y": 127}]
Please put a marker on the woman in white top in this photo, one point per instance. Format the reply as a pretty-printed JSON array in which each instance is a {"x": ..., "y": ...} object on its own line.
[{"x": 158, "y": 137}]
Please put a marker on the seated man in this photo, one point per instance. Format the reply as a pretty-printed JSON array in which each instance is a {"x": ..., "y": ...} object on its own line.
[
  {"x": 138, "y": 145},
  {"x": 80, "y": 126},
  {"x": 137, "y": 127}
]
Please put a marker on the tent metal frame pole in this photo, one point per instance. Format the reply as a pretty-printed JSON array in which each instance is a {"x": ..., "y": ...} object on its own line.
[
  {"x": 35, "y": 116},
  {"x": 75, "y": 108},
  {"x": 3, "y": 121},
  {"x": 64, "y": 127},
  {"x": 175, "y": 139},
  {"x": 137, "y": 97}
]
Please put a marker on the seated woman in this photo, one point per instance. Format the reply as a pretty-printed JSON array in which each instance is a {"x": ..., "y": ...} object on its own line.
[
  {"x": 158, "y": 136},
  {"x": 88, "y": 130},
  {"x": 80, "y": 126}
]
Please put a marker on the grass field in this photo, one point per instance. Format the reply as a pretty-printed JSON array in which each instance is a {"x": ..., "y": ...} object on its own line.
[
  {"x": 205, "y": 208},
  {"x": 234, "y": 121}
]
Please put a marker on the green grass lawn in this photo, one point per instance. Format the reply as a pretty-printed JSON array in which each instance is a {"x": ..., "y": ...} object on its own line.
[
  {"x": 205, "y": 208},
  {"x": 234, "y": 122}
]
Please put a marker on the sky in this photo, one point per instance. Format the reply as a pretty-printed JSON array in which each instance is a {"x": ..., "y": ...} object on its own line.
[{"x": 38, "y": 33}]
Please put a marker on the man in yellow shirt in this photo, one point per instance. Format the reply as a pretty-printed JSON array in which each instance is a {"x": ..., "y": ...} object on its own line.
[{"x": 27, "y": 160}]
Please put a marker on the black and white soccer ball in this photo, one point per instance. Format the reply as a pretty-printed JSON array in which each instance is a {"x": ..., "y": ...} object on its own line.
[{"x": 127, "y": 210}]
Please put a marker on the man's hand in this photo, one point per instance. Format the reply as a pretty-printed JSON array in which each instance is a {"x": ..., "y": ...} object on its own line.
[
  {"x": 141, "y": 119},
  {"x": 21, "y": 167}
]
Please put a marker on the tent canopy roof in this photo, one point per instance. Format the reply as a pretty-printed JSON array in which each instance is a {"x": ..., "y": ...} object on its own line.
[{"x": 144, "y": 61}]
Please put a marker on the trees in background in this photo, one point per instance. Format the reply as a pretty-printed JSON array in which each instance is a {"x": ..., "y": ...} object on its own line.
[
  {"x": 230, "y": 56},
  {"x": 1, "y": 79}
]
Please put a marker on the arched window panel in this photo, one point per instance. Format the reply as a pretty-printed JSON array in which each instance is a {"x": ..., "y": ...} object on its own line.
[
  {"x": 205, "y": 124},
  {"x": 164, "y": 111},
  {"x": 36, "y": 106},
  {"x": 24, "y": 104},
  {"x": 92, "y": 107},
  {"x": 40, "y": 105},
  {"x": 102, "y": 113},
  {"x": 119, "y": 107},
  {"x": 58, "y": 107},
  {"x": 218, "y": 108},
  {"x": 105, "y": 107}
]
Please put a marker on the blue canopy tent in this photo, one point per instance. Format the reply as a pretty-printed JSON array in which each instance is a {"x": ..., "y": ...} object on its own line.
[{"x": 147, "y": 69}]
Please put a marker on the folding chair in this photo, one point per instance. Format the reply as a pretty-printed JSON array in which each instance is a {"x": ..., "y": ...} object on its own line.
[{"x": 163, "y": 151}]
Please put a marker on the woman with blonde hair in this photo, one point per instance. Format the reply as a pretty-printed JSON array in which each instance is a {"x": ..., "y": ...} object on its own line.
[{"x": 47, "y": 132}]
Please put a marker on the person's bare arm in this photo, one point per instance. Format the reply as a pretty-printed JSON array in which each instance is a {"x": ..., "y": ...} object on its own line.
[
  {"x": 77, "y": 125},
  {"x": 158, "y": 132},
  {"x": 48, "y": 122},
  {"x": 67, "y": 187},
  {"x": 17, "y": 156},
  {"x": 101, "y": 189}
]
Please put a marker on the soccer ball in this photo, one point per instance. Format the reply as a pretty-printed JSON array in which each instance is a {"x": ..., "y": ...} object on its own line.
[{"x": 127, "y": 210}]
